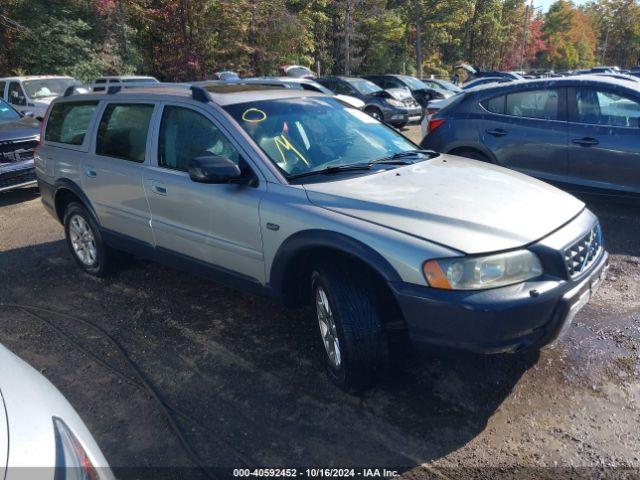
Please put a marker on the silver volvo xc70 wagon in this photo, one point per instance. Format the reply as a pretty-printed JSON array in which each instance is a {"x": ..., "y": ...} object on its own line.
[{"x": 300, "y": 197}]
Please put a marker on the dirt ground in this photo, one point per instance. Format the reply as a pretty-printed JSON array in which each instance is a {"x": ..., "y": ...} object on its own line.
[{"x": 249, "y": 375}]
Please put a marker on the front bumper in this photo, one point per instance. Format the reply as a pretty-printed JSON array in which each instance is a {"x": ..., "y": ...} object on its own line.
[
  {"x": 18, "y": 174},
  {"x": 529, "y": 315}
]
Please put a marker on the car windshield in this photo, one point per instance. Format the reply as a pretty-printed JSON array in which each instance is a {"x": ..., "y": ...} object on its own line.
[
  {"x": 309, "y": 134},
  {"x": 47, "y": 87},
  {"x": 413, "y": 82},
  {"x": 7, "y": 114},
  {"x": 365, "y": 87}
]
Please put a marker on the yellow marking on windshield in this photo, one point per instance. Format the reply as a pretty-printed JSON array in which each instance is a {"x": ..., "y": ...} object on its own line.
[
  {"x": 253, "y": 115},
  {"x": 282, "y": 142}
]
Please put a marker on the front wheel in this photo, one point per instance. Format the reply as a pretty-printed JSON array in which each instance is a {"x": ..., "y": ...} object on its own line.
[{"x": 351, "y": 328}]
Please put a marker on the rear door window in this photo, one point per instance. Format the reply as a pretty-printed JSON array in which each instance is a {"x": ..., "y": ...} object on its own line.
[
  {"x": 602, "y": 107},
  {"x": 533, "y": 104},
  {"x": 123, "y": 131},
  {"x": 68, "y": 122}
]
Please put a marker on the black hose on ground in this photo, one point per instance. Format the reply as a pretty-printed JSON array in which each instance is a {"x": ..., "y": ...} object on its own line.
[{"x": 141, "y": 382}]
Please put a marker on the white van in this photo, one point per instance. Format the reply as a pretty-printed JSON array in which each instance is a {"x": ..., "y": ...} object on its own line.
[{"x": 33, "y": 93}]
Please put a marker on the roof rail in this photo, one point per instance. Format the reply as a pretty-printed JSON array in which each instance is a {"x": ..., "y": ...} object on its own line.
[{"x": 200, "y": 94}]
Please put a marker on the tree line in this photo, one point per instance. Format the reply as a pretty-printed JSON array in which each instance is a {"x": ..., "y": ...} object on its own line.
[{"x": 190, "y": 39}]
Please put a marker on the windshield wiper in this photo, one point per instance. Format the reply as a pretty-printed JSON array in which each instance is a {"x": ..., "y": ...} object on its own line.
[
  {"x": 400, "y": 156},
  {"x": 332, "y": 170}
]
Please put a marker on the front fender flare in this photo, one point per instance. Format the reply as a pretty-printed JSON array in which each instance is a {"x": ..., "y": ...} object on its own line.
[{"x": 317, "y": 238}]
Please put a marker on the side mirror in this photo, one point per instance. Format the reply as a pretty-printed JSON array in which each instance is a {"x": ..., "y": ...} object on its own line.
[{"x": 213, "y": 169}]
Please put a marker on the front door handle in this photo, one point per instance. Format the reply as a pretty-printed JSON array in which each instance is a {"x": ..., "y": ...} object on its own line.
[
  {"x": 159, "y": 188},
  {"x": 90, "y": 172},
  {"x": 498, "y": 132},
  {"x": 585, "y": 142}
]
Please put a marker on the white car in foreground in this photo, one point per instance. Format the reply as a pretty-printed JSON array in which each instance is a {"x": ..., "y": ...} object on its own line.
[{"x": 40, "y": 431}]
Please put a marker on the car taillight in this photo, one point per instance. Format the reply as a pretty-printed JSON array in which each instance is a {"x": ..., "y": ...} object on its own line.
[
  {"x": 431, "y": 111},
  {"x": 71, "y": 459},
  {"x": 435, "y": 123}
]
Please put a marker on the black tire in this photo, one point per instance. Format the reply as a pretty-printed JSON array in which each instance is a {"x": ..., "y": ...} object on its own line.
[
  {"x": 359, "y": 326},
  {"x": 102, "y": 264},
  {"x": 472, "y": 154},
  {"x": 375, "y": 113}
]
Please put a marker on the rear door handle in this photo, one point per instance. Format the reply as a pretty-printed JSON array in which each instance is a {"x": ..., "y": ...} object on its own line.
[
  {"x": 585, "y": 142},
  {"x": 498, "y": 132},
  {"x": 90, "y": 172}
]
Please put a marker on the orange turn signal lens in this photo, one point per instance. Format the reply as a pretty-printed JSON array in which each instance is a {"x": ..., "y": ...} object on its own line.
[{"x": 435, "y": 276}]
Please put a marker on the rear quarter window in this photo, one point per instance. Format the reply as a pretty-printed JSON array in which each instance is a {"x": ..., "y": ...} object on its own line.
[
  {"x": 494, "y": 105},
  {"x": 68, "y": 122}
]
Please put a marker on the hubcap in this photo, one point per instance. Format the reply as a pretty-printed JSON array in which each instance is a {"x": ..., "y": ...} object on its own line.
[
  {"x": 328, "y": 330},
  {"x": 82, "y": 240}
]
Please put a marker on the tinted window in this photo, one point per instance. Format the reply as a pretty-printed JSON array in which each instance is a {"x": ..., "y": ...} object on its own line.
[
  {"x": 600, "y": 107},
  {"x": 16, "y": 96},
  {"x": 123, "y": 131},
  {"x": 533, "y": 104},
  {"x": 68, "y": 122},
  {"x": 343, "y": 88},
  {"x": 495, "y": 104},
  {"x": 2, "y": 87},
  {"x": 186, "y": 134}
]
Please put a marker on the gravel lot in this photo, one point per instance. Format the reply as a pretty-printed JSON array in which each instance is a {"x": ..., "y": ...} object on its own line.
[{"x": 249, "y": 374}]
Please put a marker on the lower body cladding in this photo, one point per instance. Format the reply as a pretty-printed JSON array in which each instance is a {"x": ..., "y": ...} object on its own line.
[
  {"x": 528, "y": 315},
  {"x": 17, "y": 174}
]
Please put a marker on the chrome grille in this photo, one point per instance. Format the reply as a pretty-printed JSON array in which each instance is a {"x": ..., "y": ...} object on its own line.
[
  {"x": 17, "y": 150},
  {"x": 579, "y": 256}
]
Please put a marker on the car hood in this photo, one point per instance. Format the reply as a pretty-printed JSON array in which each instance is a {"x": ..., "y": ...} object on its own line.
[
  {"x": 470, "y": 206},
  {"x": 24, "y": 127},
  {"x": 401, "y": 93}
]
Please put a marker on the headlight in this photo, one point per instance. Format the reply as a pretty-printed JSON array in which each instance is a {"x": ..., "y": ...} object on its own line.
[
  {"x": 394, "y": 102},
  {"x": 71, "y": 459},
  {"x": 477, "y": 273}
]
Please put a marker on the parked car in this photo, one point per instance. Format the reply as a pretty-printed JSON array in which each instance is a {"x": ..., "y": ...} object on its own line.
[
  {"x": 302, "y": 84},
  {"x": 103, "y": 83},
  {"x": 484, "y": 81},
  {"x": 421, "y": 92},
  {"x": 19, "y": 135},
  {"x": 39, "y": 431},
  {"x": 294, "y": 195},
  {"x": 296, "y": 71},
  {"x": 441, "y": 84},
  {"x": 396, "y": 107},
  {"x": 33, "y": 93},
  {"x": 226, "y": 76},
  {"x": 581, "y": 132},
  {"x": 433, "y": 107}
]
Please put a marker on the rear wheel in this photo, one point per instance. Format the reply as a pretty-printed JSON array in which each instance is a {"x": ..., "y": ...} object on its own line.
[
  {"x": 85, "y": 241},
  {"x": 351, "y": 327}
]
